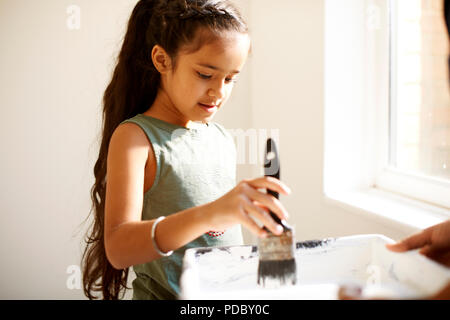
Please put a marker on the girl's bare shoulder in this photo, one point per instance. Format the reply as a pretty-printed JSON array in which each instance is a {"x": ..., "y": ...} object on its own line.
[{"x": 129, "y": 138}]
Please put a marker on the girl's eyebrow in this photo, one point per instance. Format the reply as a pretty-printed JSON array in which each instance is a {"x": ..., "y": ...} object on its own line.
[{"x": 215, "y": 68}]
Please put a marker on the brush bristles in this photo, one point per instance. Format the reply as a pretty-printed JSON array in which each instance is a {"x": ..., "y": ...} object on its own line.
[{"x": 279, "y": 271}]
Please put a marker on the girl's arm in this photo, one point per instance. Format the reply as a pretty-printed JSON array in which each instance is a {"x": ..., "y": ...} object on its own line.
[{"x": 128, "y": 238}]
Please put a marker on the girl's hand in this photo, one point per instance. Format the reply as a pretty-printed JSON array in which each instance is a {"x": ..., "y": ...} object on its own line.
[{"x": 246, "y": 201}]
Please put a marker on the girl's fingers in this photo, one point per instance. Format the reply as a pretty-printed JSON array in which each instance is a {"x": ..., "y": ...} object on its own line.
[
  {"x": 269, "y": 183},
  {"x": 250, "y": 189},
  {"x": 264, "y": 217},
  {"x": 252, "y": 226},
  {"x": 268, "y": 201}
]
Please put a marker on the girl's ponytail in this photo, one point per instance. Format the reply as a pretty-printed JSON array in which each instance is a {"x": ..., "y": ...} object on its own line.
[{"x": 132, "y": 90}]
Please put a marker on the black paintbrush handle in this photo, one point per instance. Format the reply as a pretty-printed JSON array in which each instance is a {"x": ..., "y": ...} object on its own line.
[
  {"x": 272, "y": 169},
  {"x": 273, "y": 215}
]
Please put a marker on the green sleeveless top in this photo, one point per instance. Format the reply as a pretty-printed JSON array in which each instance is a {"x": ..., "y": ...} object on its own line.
[{"x": 194, "y": 166}]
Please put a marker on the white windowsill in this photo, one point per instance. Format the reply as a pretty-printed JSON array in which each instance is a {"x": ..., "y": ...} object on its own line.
[{"x": 389, "y": 209}]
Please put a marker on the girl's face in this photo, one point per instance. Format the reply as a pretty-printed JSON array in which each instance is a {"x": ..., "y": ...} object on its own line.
[{"x": 202, "y": 81}]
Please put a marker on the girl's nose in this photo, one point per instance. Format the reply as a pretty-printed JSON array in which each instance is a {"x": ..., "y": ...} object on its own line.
[{"x": 217, "y": 92}]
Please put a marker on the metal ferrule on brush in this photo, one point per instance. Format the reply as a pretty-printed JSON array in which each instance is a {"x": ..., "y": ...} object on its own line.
[{"x": 278, "y": 247}]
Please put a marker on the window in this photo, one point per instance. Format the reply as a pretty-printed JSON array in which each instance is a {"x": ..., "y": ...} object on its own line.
[
  {"x": 419, "y": 122},
  {"x": 387, "y": 120},
  {"x": 420, "y": 104}
]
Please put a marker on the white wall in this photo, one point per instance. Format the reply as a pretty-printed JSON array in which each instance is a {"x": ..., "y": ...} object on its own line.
[
  {"x": 51, "y": 84},
  {"x": 287, "y": 87}
]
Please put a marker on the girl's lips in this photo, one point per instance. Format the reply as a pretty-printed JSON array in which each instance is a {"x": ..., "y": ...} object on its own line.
[{"x": 208, "y": 108}]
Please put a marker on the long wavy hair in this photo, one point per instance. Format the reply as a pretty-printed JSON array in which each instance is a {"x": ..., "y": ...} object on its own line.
[
  {"x": 171, "y": 24},
  {"x": 447, "y": 24}
]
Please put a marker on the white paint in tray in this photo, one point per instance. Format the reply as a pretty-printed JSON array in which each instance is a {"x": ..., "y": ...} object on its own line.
[{"x": 322, "y": 267}]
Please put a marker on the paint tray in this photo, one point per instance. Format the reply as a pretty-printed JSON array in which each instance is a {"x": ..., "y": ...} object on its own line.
[{"x": 322, "y": 267}]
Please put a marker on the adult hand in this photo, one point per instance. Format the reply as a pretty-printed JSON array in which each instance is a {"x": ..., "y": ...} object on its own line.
[{"x": 433, "y": 242}]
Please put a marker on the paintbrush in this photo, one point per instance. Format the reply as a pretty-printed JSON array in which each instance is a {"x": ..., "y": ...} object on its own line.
[{"x": 277, "y": 264}]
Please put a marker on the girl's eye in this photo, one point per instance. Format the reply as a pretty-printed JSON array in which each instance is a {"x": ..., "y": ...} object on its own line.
[
  {"x": 203, "y": 76},
  {"x": 228, "y": 80},
  {"x": 207, "y": 77}
]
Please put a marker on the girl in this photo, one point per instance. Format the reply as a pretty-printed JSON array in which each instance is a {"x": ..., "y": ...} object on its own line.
[{"x": 160, "y": 186}]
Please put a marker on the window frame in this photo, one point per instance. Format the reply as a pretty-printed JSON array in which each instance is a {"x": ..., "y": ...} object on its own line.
[
  {"x": 413, "y": 185},
  {"x": 356, "y": 172}
]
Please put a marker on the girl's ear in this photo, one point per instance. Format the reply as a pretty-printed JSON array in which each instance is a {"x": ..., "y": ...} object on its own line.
[{"x": 161, "y": 59}]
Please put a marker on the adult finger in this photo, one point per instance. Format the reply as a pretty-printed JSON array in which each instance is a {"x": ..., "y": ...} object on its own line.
[
  {"x": 413, "y": 242},
  {"x": 350, "y": 292},
  {"x": 437, "y": 254},
  {"x": 443, "y": 294}
]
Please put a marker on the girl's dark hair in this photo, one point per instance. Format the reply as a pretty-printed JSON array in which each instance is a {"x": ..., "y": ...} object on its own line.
[
  {"x": 447, "y": 15},
  {"x": 447, "y": 24},
  {"x": 172, "y": 24}
]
